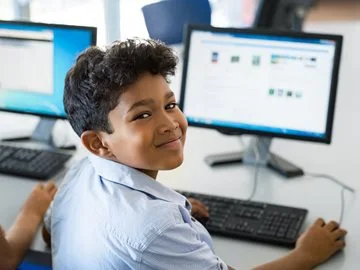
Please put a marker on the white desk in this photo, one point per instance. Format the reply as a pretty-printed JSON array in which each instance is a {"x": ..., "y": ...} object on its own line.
[{"x": 320, "y": 196}]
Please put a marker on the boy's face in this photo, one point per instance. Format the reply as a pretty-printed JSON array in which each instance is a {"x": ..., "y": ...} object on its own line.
[{"x": 149, "y": 128}]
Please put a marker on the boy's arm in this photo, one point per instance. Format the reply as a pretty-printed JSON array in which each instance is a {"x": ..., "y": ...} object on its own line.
[
  {"x": 18, "y": 239},
  {"x": 314, "y": 247},
  {"x": 5, "y": 263}
]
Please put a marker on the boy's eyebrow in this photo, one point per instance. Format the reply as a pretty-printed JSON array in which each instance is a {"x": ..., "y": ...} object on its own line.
[
  {"x": 169, "y": 94},
  {"x": 143, "y": 102},
  {"x": 149, "y": 101}
]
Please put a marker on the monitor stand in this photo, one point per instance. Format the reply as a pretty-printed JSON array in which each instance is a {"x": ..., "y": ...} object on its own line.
[
  {"x": 42, "y": 134},
  {"x": 258, "y": 152}
]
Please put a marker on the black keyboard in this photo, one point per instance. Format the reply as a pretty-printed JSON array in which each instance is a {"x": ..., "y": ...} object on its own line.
[
  {"x": 33, "y": 163},
  {"x": 258, "y": 221}
]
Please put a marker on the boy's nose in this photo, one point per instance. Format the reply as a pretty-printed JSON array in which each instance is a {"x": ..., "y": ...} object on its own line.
[{"x": 168, "y": 125}]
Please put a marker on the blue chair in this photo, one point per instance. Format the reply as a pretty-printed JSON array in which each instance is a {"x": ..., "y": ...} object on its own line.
[{"x": 165, "y": 20}]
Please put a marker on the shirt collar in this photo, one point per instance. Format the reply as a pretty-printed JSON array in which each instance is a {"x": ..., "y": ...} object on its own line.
[{"x": 135, "y": 179}]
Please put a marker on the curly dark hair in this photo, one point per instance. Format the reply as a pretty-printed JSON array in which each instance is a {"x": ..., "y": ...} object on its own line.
[{"x": 94, "y": 84}]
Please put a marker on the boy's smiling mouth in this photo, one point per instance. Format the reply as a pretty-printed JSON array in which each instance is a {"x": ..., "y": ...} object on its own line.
[{"x": 171, "y": 143}]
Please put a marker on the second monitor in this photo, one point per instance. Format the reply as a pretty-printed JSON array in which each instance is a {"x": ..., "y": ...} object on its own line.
[
  {"x": 266, "y": 83},
  {"x": 34, "y": 60}
]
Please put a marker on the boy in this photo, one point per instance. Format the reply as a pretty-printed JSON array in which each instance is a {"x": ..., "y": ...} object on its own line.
[
  {"x": 16, "y": 242},
  {"x": 110, "y": 212}
]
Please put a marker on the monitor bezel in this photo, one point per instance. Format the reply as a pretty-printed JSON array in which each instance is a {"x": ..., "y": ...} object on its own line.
[
  {"x": 239, "y": 131},
  {"x": 91, "y": 29}
]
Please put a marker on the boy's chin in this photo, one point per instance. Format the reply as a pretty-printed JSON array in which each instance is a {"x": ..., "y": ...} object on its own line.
[{"x": 171, "y": 164}]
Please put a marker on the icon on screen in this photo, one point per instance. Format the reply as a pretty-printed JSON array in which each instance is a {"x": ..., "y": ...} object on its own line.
[
  {"x": 214, "y": 57},
  {"x": 275, "y": 59},
  {"x": 256, "y": 59},
  {"x": 235, "y": 59}
]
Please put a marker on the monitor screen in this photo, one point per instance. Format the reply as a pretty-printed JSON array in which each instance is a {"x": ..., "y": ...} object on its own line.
[
  {"x": 34, "y": 60},
  {"x": 278, "y": 84}
]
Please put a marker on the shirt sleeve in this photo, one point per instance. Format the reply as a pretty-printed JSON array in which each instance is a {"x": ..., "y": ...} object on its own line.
[{"x": 179, "y": 247}]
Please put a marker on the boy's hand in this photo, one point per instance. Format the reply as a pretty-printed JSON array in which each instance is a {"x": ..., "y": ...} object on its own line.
[
  {"x": 39, "y": 200},
  {"x": 199, "y": 210},
  {"x": 320, "y": 241}
]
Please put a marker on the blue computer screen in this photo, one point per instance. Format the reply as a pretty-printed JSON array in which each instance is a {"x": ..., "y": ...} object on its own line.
[
  {"x": 34, "y": 61},
  {"x": 282, "y": 85}
]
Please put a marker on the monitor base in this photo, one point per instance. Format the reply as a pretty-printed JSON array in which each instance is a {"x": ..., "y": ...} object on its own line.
[
  {"x": 42, "y": 134},
  {"x": 257, "y": 153}
]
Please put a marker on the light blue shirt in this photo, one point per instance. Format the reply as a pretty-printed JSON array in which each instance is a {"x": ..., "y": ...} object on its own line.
[{"x": 109, "y": 216}]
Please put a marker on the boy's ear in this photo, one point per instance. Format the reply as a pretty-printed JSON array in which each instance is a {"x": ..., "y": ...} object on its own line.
[{"x": 93, "y": 142}]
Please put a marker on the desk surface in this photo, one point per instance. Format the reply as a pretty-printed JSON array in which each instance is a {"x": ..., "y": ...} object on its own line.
[
  {"x": 237, "y": 181},
  {"x": 320, "y": 196}
]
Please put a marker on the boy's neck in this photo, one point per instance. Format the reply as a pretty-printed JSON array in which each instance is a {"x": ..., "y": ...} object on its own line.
[{"x": 150, "y": 173}]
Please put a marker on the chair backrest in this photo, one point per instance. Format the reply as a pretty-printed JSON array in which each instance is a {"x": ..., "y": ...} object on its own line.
[{"x": 165, "y": 20}]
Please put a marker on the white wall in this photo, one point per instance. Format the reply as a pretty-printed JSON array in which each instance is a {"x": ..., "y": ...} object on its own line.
[{"x": 6, "y": 9}]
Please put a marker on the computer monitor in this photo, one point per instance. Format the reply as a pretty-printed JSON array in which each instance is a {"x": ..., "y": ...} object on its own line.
[
  {"x": 34, "y": 60},
  {"x": 264, "y": 83}
]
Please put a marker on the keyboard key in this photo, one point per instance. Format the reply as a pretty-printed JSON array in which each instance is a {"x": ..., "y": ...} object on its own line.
[{"x": 291, "y": 234}]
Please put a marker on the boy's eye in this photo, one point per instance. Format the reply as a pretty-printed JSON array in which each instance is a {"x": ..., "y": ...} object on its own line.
[
  {"x": 171, "y": 106},
  {"x": 142, "y": 116}
]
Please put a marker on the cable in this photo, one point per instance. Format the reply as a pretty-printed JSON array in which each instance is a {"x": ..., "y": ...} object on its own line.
[
  {"x": 256, "y": 172},
  {"x": 331, "y": 178},
  {"x": 342, "y": 210},
  {"x": 342, "y": 194}
]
